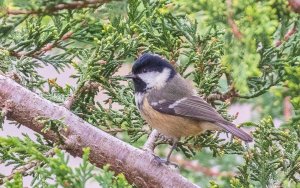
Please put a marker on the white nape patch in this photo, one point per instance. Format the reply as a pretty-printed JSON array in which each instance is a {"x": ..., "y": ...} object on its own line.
[
  {"x": 176, "y": 103},
  {"x": 139, "y": 97},
  {"x": 155, "y": 78}
]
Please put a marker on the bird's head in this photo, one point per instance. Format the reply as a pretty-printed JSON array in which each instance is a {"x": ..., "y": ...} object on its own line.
[{"x": 150, "y": 71}]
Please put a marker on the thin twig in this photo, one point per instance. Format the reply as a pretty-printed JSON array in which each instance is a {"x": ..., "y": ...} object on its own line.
[
  {"x": 287, "y": 36},
  {"x": 70, "y": 101},
  {"x": 231, "y": 93},
  {"x": 45, "y": 48},
  {"x": 63, "y": 6},
  {"x": 23, "y": 170},
  {"x": 49, "y": 46},
  {"x": 235, "y": 30},
  {"x": 84, "y": 87},
  {"x": 196, "y": 167},
  {"x": 261, "y": 91},
  {"x": 287, "y": 108}
]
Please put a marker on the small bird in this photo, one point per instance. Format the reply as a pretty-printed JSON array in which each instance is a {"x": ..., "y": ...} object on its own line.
[{"x": 170, "y": 104}]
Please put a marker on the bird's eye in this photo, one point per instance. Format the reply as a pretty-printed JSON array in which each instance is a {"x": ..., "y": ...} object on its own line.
[{"x": 144, "y": 70}]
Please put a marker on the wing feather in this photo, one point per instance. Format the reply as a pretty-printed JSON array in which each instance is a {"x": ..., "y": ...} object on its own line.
[{"x": 196, "y": 108}]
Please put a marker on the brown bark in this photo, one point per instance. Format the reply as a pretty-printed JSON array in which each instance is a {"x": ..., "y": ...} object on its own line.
[{"x": 138, "y": 166}]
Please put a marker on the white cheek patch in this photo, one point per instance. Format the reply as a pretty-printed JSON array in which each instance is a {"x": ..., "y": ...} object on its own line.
[
  {"x": 155, "y": 79},
  {"x": 163, "y": 77},
  {"x": 149, "y": 78}
]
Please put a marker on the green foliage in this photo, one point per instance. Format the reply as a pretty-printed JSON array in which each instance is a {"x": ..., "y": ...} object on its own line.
[
  {"x": 17, "y": 152},
  {"x": 72, "y": 177},
  {"x": 238, "y": 48},
  {"x": 57, "y": 126},
  {"x": 2, "y": 118},
  {"x": 16, "y": 182},
  {"x": 271, "y": 161},
  {"x": 108, "y": 179},
  {"x": 52, "y": 165}
]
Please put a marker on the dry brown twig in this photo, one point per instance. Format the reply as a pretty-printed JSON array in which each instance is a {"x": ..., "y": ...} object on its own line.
[
  {"x": 287, "y": 36},
  {"x": 49, "y": 46},
  {"x": 36, "y": 53},
  {"x": 88, "y": 86},
  {"x": 196, "y": 167},
  {"x": 229, "y": 95},
  {"x": 235, "y": 30},
  {"x": 63, "y": 6}
]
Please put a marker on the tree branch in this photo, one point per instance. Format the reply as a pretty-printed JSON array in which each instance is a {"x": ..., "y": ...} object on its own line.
[
  {"x": 63, "y": 6},
  {"x": 138, "y": 166}
]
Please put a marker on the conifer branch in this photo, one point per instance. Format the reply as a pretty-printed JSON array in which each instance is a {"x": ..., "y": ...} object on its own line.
[
  {"x": 39, "y": 51},
  {"x": 24, "y": 170}
]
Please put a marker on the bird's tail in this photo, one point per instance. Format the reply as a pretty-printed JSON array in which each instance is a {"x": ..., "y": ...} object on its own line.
[{"x": 230, "y": 127}]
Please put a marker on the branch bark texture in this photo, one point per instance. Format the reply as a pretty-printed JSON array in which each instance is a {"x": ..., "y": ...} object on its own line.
[{"x": 138, "y": 166}]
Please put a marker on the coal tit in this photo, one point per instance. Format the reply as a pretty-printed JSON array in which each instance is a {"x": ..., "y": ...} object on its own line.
[{"x": 170, "y": 104}]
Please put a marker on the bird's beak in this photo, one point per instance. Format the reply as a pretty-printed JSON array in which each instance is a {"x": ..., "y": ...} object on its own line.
[{"x": 130, "y": 76}]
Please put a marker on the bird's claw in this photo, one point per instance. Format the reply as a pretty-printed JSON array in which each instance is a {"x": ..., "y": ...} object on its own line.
[{"x": 165, "y": 161}]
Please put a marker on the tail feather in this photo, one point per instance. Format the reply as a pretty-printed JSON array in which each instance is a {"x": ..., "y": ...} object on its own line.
[{"x": 230, "y": 127}]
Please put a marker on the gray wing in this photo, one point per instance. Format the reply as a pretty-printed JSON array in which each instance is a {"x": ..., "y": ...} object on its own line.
[{"x": 196, "y": 108}]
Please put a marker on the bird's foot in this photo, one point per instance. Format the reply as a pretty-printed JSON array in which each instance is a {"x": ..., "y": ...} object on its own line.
[
  {"x": 165, "y": 139},
  {"x": 165, "y": 162}
]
